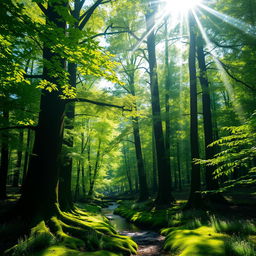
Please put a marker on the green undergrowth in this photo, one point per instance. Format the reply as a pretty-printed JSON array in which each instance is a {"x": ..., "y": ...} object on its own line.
[
  {"x": 144, "y": 214},
  {"x": 202, "y": 233},
  {"x": 195, "y": 232},
  {"x": 79, "y": 233}
]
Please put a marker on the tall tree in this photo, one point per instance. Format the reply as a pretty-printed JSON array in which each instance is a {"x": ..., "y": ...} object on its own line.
[
  {"x": 164, "y": 195},
  {"x": 195, "y": 196},
  {"x": 38, "y": 199}
]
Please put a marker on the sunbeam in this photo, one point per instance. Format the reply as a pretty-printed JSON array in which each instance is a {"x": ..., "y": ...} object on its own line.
[
  {"x": 246, "y": 28},
  {"x": 223, "y": 74}
]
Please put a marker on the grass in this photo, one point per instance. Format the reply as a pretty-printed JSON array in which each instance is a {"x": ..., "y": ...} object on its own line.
[{"x": 238, "y": 246}]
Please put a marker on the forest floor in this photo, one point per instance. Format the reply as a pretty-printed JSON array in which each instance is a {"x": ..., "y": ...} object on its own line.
[
  {"x": 223, "y": 231},
  {"x": 227, "y": 230}
]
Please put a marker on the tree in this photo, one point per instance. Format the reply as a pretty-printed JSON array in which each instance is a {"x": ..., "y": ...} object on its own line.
[
  {"x": 164, "y": 195},
  {"x": 195, "y": 187}
]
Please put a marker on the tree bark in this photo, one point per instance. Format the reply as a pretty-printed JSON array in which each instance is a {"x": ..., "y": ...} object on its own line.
[
  {"x": 195, "y": 196},
  {"x": 164, "y": 195},
  {"x": 39, "y": 197}
]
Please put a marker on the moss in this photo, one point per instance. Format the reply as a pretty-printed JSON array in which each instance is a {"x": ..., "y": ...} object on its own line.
[
  {"x": 245, "y": 227},
  {"x": 40, "y": 238},
  {"x": 201, "y": 241},
  {"x": 74, "y": 233},
  {"x": 63, "y": 251}
]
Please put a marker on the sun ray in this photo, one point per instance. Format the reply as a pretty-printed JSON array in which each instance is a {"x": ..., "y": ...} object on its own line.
[
  {"x": 223, "y": 74},
  {"x": 243, "y": 26},
  {"x": 162, "y": 15}
]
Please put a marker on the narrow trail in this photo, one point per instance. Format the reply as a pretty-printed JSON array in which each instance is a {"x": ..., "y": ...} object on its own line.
[{"x": 150, "y": 242}]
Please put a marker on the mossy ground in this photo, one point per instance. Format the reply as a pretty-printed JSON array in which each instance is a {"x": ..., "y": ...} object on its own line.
[
  {"x": 81, "y": 232},
  {"x": 195, "y": 232}
]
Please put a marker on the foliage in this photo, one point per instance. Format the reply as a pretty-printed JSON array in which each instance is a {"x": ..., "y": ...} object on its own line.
[{"x": 237, "y": 153}]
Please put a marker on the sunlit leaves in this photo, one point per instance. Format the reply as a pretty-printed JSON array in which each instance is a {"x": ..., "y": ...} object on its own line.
[{"x": 238, "y": 150}]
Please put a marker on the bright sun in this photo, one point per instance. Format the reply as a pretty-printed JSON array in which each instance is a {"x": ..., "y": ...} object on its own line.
[{"x": 181, "y": 5}]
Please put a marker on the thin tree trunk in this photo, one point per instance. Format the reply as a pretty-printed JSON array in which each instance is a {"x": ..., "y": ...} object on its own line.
[{"x": 127, "y": 170}]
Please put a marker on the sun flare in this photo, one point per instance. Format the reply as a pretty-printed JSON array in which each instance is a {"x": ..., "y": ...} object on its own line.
[{"x": 181, "y": 5}]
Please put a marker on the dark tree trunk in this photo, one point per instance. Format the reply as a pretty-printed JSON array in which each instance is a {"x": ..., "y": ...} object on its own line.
[
  {"x": 143, "y": 186},
  {"x": 211, "y": 183},
  {"x": 16, "y": 176},
  {"x": 4, "y": 157},
  {"x": 65, "y": 181},
  {"x": 39, "y": 197},
  {"x": 164, "y": 195},
  {"x": 195, "y": 197}
]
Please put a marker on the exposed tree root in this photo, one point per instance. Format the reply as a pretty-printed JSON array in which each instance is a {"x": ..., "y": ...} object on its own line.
[{"x": 77, "y": 231}]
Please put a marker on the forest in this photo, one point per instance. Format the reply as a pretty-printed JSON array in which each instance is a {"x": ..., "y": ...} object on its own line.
[{"x": 128, "y": 127}]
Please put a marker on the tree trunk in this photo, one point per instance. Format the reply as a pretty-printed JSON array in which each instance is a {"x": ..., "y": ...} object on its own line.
[
  {"x": 4, "y": 157},
  {"x": 39, "y": 197},
  {"x": 65, "y": 188},
  {"x": 167, "y": 105},
  {"x": 211, "y": 183},
  {"x": 164, "y": 195},
  {"x": 195, "y": 196},
  {"x": 143, "y": 186},
  {"x": 127, "y": 170}
]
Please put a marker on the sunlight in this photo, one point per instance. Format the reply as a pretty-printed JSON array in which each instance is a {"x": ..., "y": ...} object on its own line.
[
  {"x": 223, "y": 74},
  {"x": 181, "y": 5},
  {"x": 242, "y": 26}
]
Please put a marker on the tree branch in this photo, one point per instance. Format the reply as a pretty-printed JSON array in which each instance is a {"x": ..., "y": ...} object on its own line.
[
  {"x": 98, "y": 103},
  {"x": 86, "y": 16},
  {"x": 236, "y": 79},
  {"x": 42, "y": 8}
]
